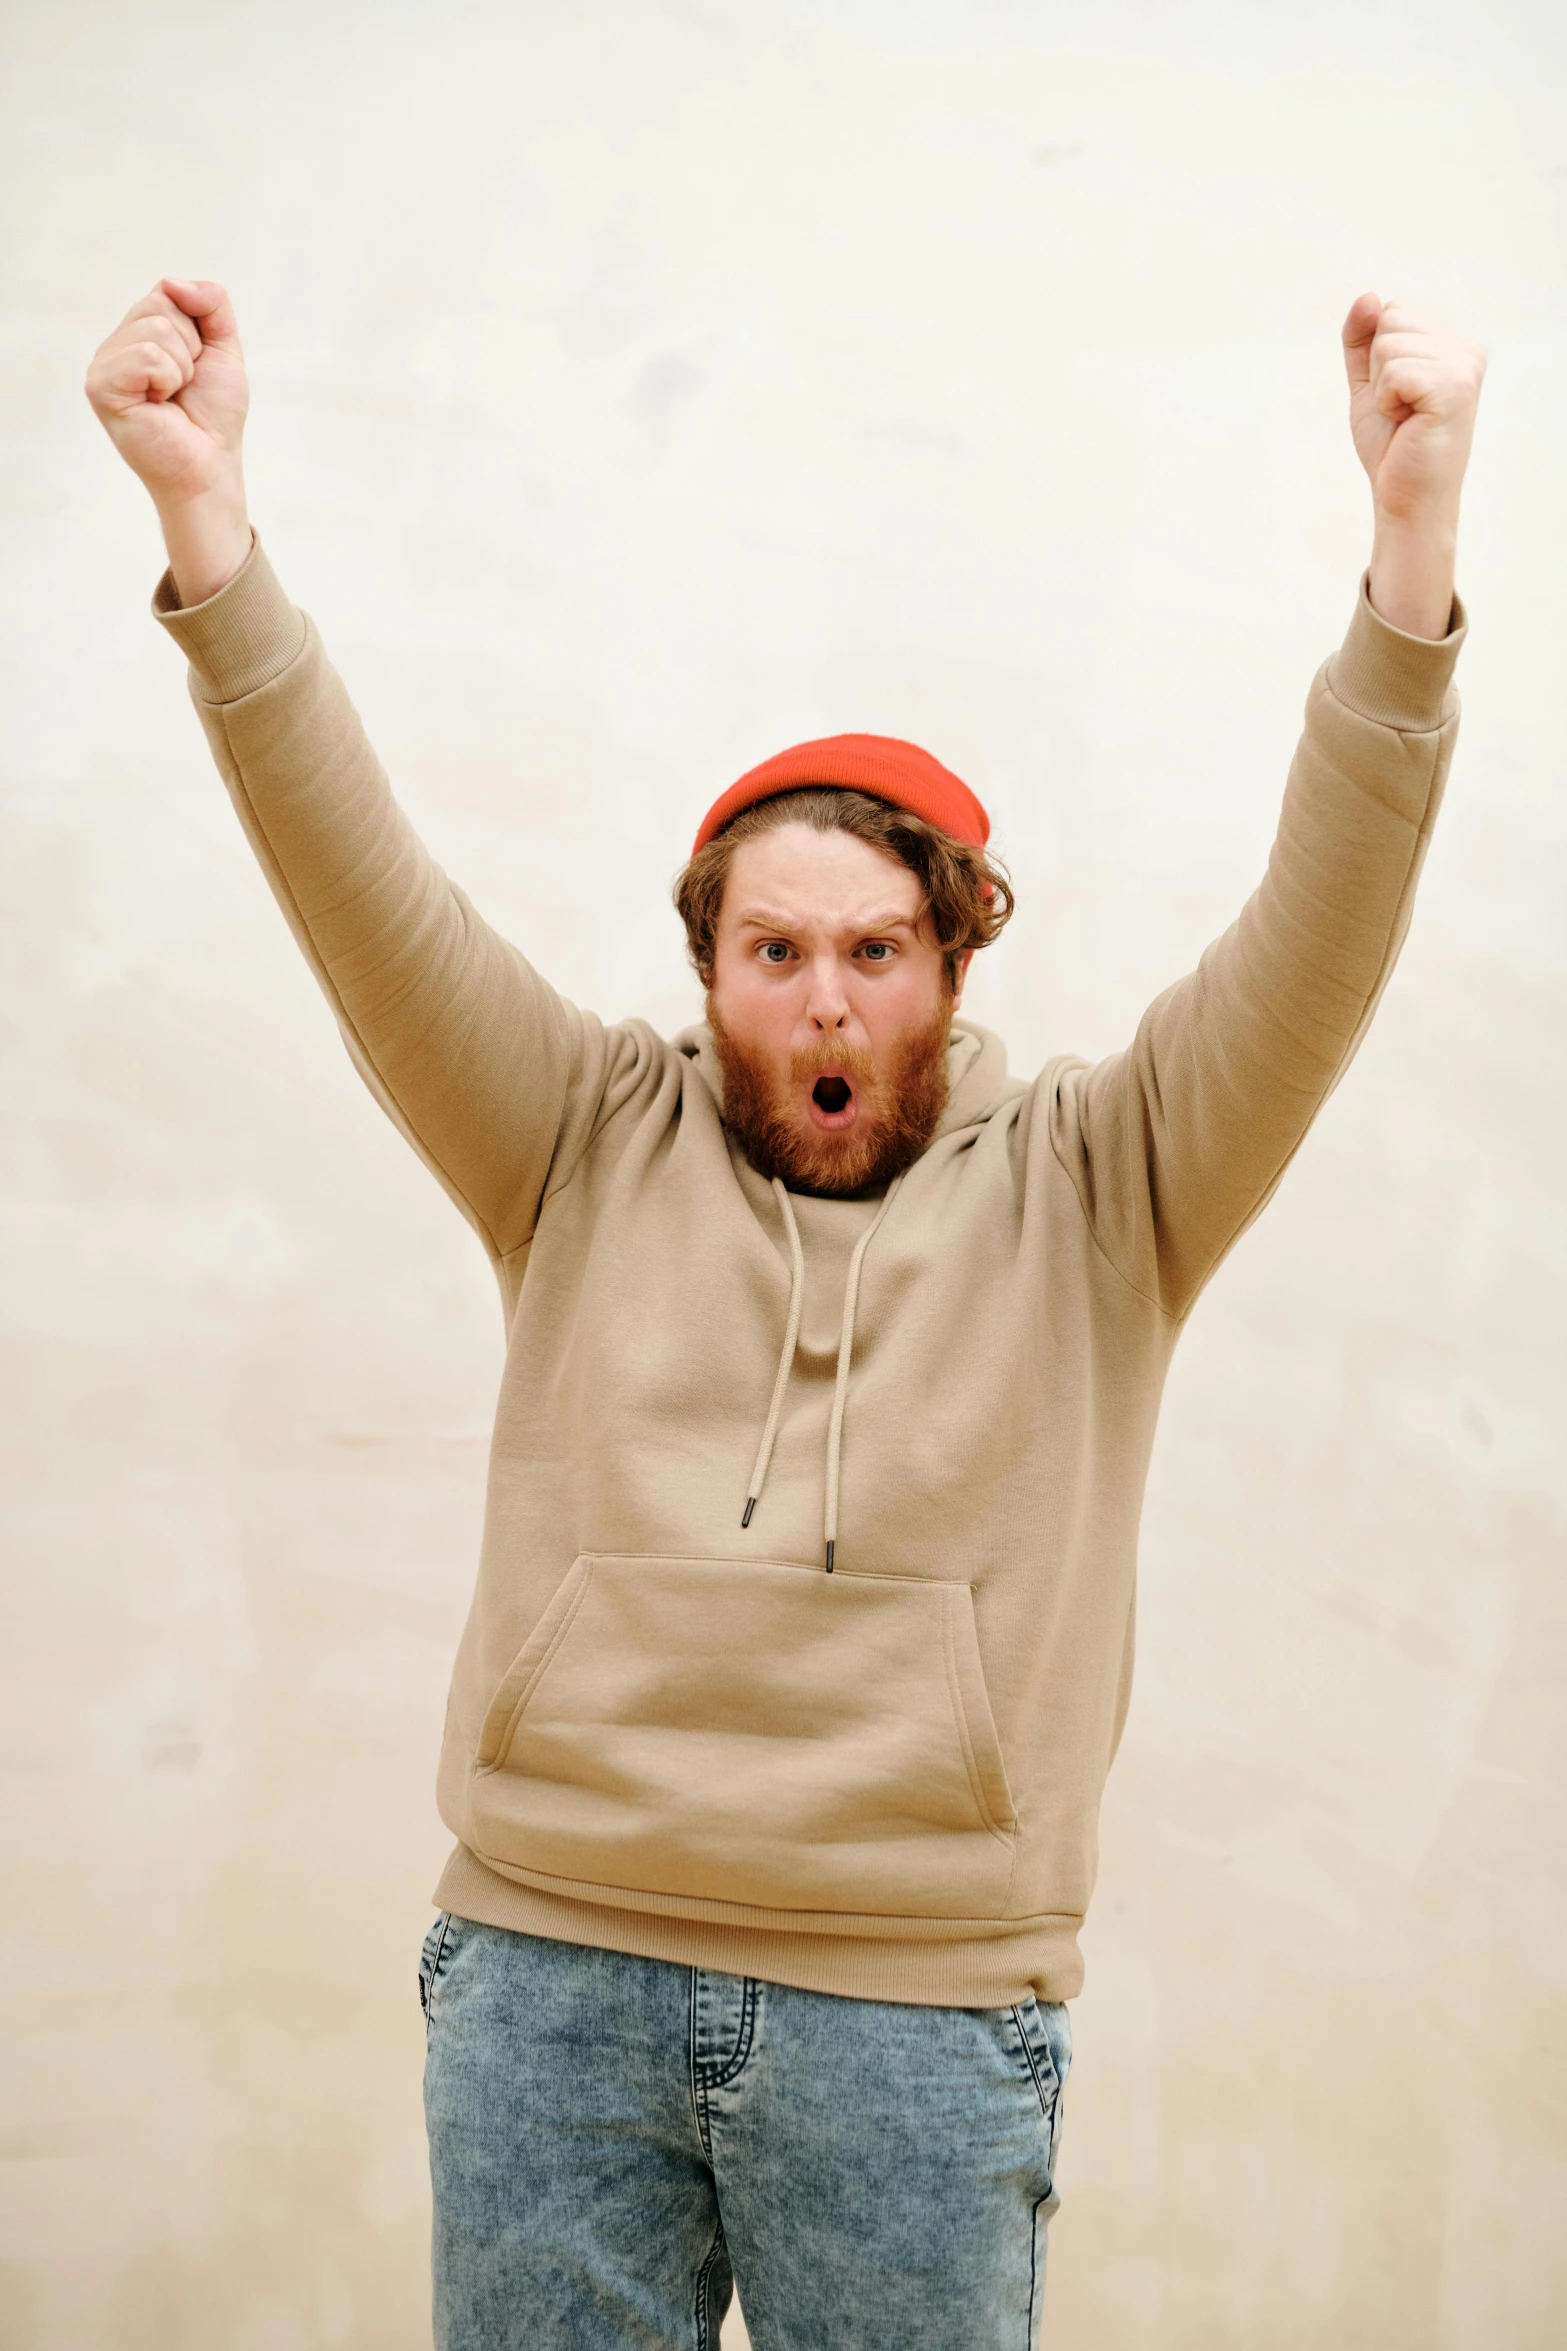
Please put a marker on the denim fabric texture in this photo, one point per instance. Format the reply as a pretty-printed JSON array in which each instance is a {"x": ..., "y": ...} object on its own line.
[{"x": 614, "y": 2141}]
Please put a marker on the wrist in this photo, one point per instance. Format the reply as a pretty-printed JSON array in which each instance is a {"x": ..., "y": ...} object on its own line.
[
  {"x": 1412, "y": 572},
  {"x": 1431, "y": 527},
  {"x": 208, "y": 536}
]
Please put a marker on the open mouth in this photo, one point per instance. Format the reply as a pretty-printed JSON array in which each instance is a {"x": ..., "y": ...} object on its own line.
[{"x": 832, "y": 1102}]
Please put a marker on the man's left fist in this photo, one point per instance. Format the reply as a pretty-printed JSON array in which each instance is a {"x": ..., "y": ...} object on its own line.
[{"x": 1413, "y": 389}]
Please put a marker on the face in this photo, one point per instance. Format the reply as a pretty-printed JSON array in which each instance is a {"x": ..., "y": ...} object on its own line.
[{"x": 829, "y": 1010}]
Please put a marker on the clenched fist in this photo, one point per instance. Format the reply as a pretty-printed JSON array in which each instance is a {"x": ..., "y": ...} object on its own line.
[
  {"x": 1413, "y": 392},
  {"x": 168, "y": 386}
]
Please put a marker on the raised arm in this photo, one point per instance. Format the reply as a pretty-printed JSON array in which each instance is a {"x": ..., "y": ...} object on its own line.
[
  {"x": 1176, "y": 1143},
  {"x": 495, "y": 1078}
]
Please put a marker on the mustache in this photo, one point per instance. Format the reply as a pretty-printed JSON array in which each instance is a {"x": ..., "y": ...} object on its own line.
[{"x": 850, "y": 1061}]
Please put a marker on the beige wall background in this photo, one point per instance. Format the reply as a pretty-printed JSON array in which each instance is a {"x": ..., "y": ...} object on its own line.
[{"x": 639, "y": 385}]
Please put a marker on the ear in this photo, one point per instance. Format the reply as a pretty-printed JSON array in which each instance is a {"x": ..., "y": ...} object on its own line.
[{"x": 957, "y": 993}]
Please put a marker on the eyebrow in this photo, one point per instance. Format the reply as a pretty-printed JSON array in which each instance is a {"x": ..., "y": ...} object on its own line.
[{"x": 766, "y": 918}]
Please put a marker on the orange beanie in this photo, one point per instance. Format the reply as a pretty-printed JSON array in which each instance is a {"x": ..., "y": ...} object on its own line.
[{"x": 878, "y": 764}]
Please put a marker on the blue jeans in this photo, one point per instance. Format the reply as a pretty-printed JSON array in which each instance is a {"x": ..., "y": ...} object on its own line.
[{"x": 613, "y": 2141}]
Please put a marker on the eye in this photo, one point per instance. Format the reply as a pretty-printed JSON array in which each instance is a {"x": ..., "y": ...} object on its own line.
[
  {"x": 877, "y": 950},
  {"x": 773, "y": 951}
]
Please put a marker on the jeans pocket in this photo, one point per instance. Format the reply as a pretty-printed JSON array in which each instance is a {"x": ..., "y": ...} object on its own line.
[
  {"x": 433, "y": 1958},
  {"x": 1047, "y": 2035},
  {"x": 1045, "y": 2030}
]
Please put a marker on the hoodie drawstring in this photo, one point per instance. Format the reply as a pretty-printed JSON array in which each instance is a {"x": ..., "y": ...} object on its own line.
[
  {"x": 840, "y": 1393},
  {"x": 840, "y": 1396},
  {"x": 764, "y": 1451}
]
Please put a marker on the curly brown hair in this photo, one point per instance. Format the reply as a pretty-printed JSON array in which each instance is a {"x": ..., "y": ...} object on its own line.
[{"x": 967, "y": 893}]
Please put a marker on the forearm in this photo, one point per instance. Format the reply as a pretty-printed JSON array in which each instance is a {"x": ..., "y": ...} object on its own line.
[{"x": 1412, "y": 572}]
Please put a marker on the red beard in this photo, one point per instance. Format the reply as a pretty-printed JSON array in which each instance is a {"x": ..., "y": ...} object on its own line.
[{"x": 896, "y": 1116}]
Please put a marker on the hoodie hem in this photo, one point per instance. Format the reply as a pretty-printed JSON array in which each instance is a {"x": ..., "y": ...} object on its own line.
[{"x": 971, "y": 1965}]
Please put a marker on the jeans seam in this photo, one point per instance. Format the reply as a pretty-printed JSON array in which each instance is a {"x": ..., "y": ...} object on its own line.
[
  {"x": 694, "y": 2074},
  {"x": 703, "y": 2298},
  {"x": 1033, "y": 2271}
]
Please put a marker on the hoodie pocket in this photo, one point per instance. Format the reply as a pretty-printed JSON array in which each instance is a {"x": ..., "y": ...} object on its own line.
[{"x": 751, "y": 1733}]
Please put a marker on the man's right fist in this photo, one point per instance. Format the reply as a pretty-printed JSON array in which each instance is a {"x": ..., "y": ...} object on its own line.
[{"x": 168, "y": 387}]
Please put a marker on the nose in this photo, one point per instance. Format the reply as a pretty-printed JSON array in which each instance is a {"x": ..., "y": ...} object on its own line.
[{"x": 826, "y": 1004}]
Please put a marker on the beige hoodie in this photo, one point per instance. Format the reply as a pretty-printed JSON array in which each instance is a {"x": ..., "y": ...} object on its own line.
[{"x": 676, "y": 1734}]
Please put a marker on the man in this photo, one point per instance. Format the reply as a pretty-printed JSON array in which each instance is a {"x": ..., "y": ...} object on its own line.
[{"x": 802, "y": 1636}]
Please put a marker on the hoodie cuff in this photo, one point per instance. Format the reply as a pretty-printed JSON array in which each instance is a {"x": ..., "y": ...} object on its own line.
[
  {"x": 1387, "y": 675},
  {"x": 239, "y": 639}
]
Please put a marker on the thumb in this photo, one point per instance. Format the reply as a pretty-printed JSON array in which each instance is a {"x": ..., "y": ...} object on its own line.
[
  {"x": 205, "y": 301},
  {"x": 1360, "y": 326}
]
